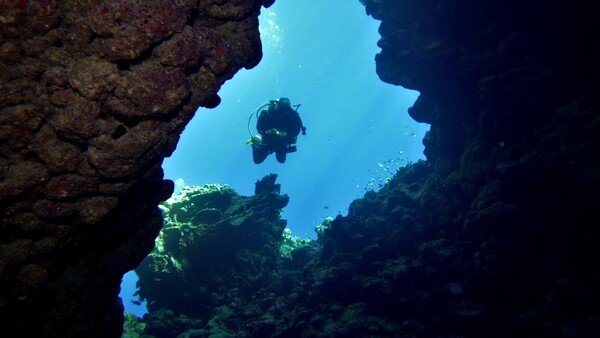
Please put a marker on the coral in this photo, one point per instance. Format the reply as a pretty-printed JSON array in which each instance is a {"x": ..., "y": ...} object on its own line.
[
  {"x": 290, "y": 243},
  {"x": 213, "y": 240}
]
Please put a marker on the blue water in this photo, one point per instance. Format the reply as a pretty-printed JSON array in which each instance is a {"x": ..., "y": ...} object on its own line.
[{"x": 320, "y": 55}]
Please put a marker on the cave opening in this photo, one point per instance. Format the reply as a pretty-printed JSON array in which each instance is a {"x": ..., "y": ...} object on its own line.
[{"x": 358, "y": 130}]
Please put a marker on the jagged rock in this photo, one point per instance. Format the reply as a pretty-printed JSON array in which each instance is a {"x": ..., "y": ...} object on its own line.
[{"x": 94, "y": 95}]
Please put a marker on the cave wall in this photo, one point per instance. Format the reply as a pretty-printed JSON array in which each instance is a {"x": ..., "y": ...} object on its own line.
[
  {"x": 510, "y": 92},
  {"x": 94, "y": 94},
  {"x": 491, "y": 73},
  {"x": 508, "y": 206}
]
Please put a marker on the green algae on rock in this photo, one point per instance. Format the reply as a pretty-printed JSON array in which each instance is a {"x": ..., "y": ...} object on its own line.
[{"x": 213, "y": 239}]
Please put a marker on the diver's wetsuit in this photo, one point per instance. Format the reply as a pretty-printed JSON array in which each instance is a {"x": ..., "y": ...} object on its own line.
[{"x": 278, "y": 125}]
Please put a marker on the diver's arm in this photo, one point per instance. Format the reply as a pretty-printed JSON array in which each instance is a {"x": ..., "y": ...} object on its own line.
[{"x": 302, "y": 127}]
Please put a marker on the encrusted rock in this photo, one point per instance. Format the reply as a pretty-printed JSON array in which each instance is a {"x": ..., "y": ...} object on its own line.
[
  {"x": 93, "y": 96},
  {"x": 213, "y": 238}
]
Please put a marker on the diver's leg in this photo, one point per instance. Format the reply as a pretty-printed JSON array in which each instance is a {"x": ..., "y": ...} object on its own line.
[
  {"x": 280, "y": 156},
  {"x": 259, "y": 154}
]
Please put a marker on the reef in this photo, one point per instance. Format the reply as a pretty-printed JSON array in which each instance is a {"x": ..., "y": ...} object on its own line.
[
  {"x": 216, "y": 248},
  {"x": 94, "y": 94},
  {"x": 495, "y": 235},
  {"x": 213, "y": 243}
]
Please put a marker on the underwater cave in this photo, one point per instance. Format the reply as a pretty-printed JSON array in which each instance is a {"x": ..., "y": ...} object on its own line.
[
  {"x": 347, "y": 110},
  {"x": 487, "y": 231}
]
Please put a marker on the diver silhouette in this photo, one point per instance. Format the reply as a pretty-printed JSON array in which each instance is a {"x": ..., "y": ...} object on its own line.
[{"x": 278, "y": 127}]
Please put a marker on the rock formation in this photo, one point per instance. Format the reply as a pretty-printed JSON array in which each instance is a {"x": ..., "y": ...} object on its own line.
[
  {"x": 495, "y": 235},
  {"x": 94, "y": 94},
  {"x": 214, "y": 242}
]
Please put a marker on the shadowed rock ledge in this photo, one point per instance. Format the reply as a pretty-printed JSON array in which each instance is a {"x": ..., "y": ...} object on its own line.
[{"x": 94, "y": 94}]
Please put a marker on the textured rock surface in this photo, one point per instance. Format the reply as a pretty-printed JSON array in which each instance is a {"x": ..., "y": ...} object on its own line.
[
  {"x": 216, "y": 248},
  {"x": 93, "y": 95},
  {"x": 496, "y": 235}
]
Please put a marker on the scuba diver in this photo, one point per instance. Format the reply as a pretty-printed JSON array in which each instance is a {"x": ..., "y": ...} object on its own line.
[{"x": 278, "y": 127}]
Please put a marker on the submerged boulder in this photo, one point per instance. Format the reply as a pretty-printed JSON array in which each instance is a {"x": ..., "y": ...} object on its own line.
[{"x": 214, "y": 241}]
